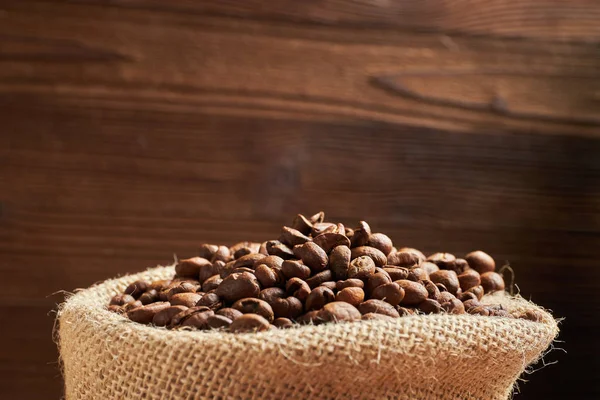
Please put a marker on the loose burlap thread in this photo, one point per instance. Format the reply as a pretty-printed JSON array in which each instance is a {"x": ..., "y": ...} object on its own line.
[{"x": 106, "y": 356}]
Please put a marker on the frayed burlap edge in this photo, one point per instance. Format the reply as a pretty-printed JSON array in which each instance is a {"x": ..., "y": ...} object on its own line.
[{"x": 106, "y": 356}]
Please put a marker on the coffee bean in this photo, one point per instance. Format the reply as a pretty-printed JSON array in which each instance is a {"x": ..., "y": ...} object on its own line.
[
  {"x": 210, "y": 300},
  {"x": 341, "y": 285},
  {"x": 396, "y": 273},
  {"x": 361, "y": 234},
  {"x": 222, "y": 254},
  {"x": 318, "y": 279},
  {"x": 163, "y": 317},
  {"x": 131, "y": 305},
  {"x": 230, "y": 313},
  {"x": 338, "y": 311},
  {"x": 349, "y": 233},
  {"x": 185, "y": 299},
  {"x": 470, "y": 303},
  {"x": 255, "y": 306},
  {"x": 178, "y": 319},
  {"x": 361, "y": 268},
  {"x": 283, "y": 323},
  {"x": 432, "y": 290},
  {"x": 243, "y": 269},
  {"x": 481, "y": 262},
  {"x": 250, "y": 323},
  {"x": 146, "y": 313},
  {"x": 390, "y": 292},
  {"x": 242, "y": 252},
  {"x": 453, "y": 306},
  {"x": 311, "y": 317},
  {"x": 377, "y": 317},
  {"x": 121, "y": 299},
  {"x": 291, "y": 237},
  {"x": 468, "y": 279},
  {"x": 442, "y": 260},
  {"x": 329, "y": 240},
  {"x": 417, "y": 274},
  {"x": 270, "y": 261},
  {"x": 381, "y": 242},
  {"x": 218, "y": 322},
  {"x": 447, "y": 278},
  {"x": 378, "y": 307},
  {"x": 323, "y": 227},
  {"x": 312, "y": 256},
  {"x": 377, "y": 256},
  {"x": 404, "y": 312},
  {"x": 298, "y": 288},
  {"x": 149, "y": 297},
  {"x": 302, "y": 224},
  {"x": 414, "y": 292},
  {"x": 295, "y": 269},
  {"x": 492, "y": 282},
  {"x": 405, "y": 259},
  {"x": 208, "y": 270},
  {"x": 175, "y": 288},
  {"x": 430, "y": 306},
  {"x": 212, "y": 283},
  {"x": 376, "y": 280},
  {"x": 339, "y": 261},
  {"x": 252, "y": 247},
  {"x": 351, "y": 295},
  {"x": 268, "y": 277},
  {"x": 441, "y": 287},
  {"x": 317, "y": 218},
  {"x": 271, "y": 294},
  {"x": 116, "y": 309},
  {"x": 318, "y": 297},
  {"x": 197, "y": 319},
  {"x": 248, "y": 260},
  {"x": 238, "y": 286},
  {"x": 190, "y": 268},
  {"x": 290, "y": 307},
  {"x": 137, "y": 288},
  {"x": 532, "y": 315},
  {"x": 156, "y": 285},
  {"x": 207, "y": 251},
  {"x": 459, "y": 266},
  {"x": 429, "y": 267},
  {"x": 227, "y": 269},
  {"x": 421, "y": 257},
  {"x": 477, "y": 291},
  {"x": 276, "y": 248},
  {"x": 331, "y": 285}
]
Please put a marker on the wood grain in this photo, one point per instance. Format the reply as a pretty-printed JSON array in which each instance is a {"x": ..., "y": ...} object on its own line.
[{"x": 135, "y": 130}]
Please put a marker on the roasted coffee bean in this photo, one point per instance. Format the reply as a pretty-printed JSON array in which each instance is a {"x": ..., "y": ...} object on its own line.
[
  {"x": 361, "y": 268},
  {"x": 477, "y": 291},
  {"x": 149, "y": 297},
  {"x": 532, "y": 315},
  {"x": 442, "y": 260},
  {"x": 156, "y": 285},
  {"x": 470, "y": 303},
  {"x": 291, "y": 237},
  {"x": 416, "y": 252},
  {"x": 218, "y": 322},
  {"x": 190, "y": 268},
  {"x": 432, "y": 290},
  {"x": 377, "y": 317},
  {"x": 453, "y": 306},
  {"x": 253, "y": 247},
  {"x": 481, "y": 262},
  {"x": 298, "y": 288},
  {"x": 318, "y": 297},
  {"x": 242, "y": 269},
  {"x": 405, "y": 259},
  {"x": 311, "y": 317},
  {"x": 185, "y": 299},
  {"x": 227, "y": 269},
  {"x": 178, "y": 319},
  {"x": 207, "y": 251},
  {"x": 323, "y": 227},
  {"x": 376, "y": 280},
  {"x": 318, "y": 279},
  {"x": 329, "y": 240},
  {"x": 276, "y": 248},
  {"x": 340, "y": 285},
  {"x": 339, "y": 261},
  {"x": 289, "y": 307},
  {"x": 137, "y": 288},
  {"x": 250, "y": 323},
  {"x": 270, "y": 261},
  {"x": 441, "y": 287},
  {"x": 249, "y": 260},
  {"x": 376, "y": 255},
  {"x": 464, "y": 296},
  {"x": 430, "y": 306},
  {"x": 390, "y": 292},
  {"x": 404, "y": 311},
  {"x": 268, "y": 277},
  {"x": 445, "y": 297},
  {"x": 349, "y": 232},
  {"x": 414, "y": 292},
  {"x": 283, "y": 323},
  {"x": 208, "y": 270},
  {"x": 479, "y": 310},
  {"x": 176, "y": 288},
  {"x": 317, "y": 218},
  {"x": 302, "y": 224},
  {"x": 459, "y": 266},
  {"x": 381, "y": 242},
  {"x": 295, "y": 269},
  {"x": 212, "y": 283},
  {"x": 351, "y": 295},
  {"x": 331, "y": 285},
  {"x": 378, "y": 307},
  {"x": 121, "y": 299},
  {"x": 222, "y": 254},
  {"x": 210, "y": 300},
  {"x": 271, "y": 294},
  {"x": 396, "y": 273},
  {"x": 468, "y": 279},
  {"x": 198, "y": 319},
  {"x": 361, "y": 234},
  {"x": 254, "y": 306},
  {"x": 429, "y": 267},
  {"x": 244, "y": 251},
  {"x": 338, "y": 311},
  {"x": 230, "y": 313},
  {"x": 417, "y": 274},
  {"x": 238, "y": 286},
  {"x": 116, "y": 309},
  {"x": 131, "y": 305},
  {"x": 146, "y": 313},
  {"x": 447, "y": 278},
  {"x": 492, "y": 282},
  {"x": 312, "y": 255},
  {"x": 163, "y": 317}
]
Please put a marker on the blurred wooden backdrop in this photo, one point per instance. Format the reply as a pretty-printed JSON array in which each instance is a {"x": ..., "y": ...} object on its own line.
[{"x": 134, "y": 129}]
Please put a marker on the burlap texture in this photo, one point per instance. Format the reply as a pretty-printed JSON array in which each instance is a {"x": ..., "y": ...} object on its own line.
[{"x": 106, "y": 356}]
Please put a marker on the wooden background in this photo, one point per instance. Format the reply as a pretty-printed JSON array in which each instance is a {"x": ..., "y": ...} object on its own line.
[{"x": 134, "y": 129}]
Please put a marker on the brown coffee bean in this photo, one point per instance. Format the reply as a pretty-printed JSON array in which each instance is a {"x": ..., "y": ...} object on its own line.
[
  {"x": 238, "y": 286},
  {"x": 361, "y": 268},
  {"x": 276, "y": 248},
  {"x": 459, "y": 266},
  {"x": 149, "y": 297},
  {"x": 417, "y": 274},
  {"x": 270, "y": 261},
  {"x": 339, "y": 261},
  {"x": 416, "y": 252},
  {"x": 206, "y": 271},
  {"x": 317, "y": 218},
  {"x": 477, "y": 291},
  {"x": 131, "y": 305},
  {"x": 323, "y": 227},
  {"x": 244, "y": 251},
  {"x": 179, "y": 318},
  {"x": 137, "y": 288},
  {"x": 311, "y": 317},
  {"x": 468, "y": 279},
  {"x": 318, "y": 279},
  {"x": 429, "y": 267},
  {"x": 163, "y": 317},
  {"x": 532, "y": 315},
  {"x": 227, "y": 269},
  {"x": 376, "y": 280},
  {"x": 377, "y": 317},
  {"x": 207, "y": 251},
  {"x": 185, "y": 299},
  {"x": 146, "y": 313},
  {"x": 190, "y": 268},
  {"x": 479, "y": 310},
  {"x": 116, "y": 309},
  {"x": 176, "y": 288},
  {"x": 313, "y": 256},
  {"x": 390, "y": 292},
  {"x": 283, "y": 323},
  {"x": 442, "y": 260},
  {"x": 349, "y": 232},
  {"x": 318, "y": 297},
  {"x": 481, "y": 262},
  {"x": 302, "y": 224},
  {"x": 243, "y": 269},
  {"x": 210, "y": 300},
  {"x": 292, "y": 237},
  {"x": 331, "y": 285},
  {"x": 271, "y": 294},
  {"x": 432, "y": 290},
  {"x": 492, "y": 282},
  {"x": 470, "y": 303},
  {"x": 121, "y": 299},
  {"x": 378, "y": 307},
  {"x": 445, "y": 297},
  {"x": 414, "y": 292},
  {"x": 156, "y": 285},
  {"x": 404, "y": 312},
  {"x": 218, "y": 322},
  {"x": 338, "y": 311},
  {"x": 198, "y": 319},
  {"x": 249, "y": 260},
  {"x": 250, "y": 323},
  {"x": 230, "y": 313},
  {"x": 453, "y": 306},
  {"x": 289, "y": 307},
  {"x": 341, "y": 285},
  {"x": 222, "y": 254},
  {"x": 351, "y": 295},
  {"x": 381, "y": 242},
  {"x": 329, "y": 240},
  {"x": 361, "y": 234},
  {"x": 447, "y": 278},
  {"x": 396, "y": 273},
  {"x": 253, "y": 247},
  {"x": 255, "y": 306},
  {"x": 212, "y": 283},
  {"x": 377, "y": 256},
  {"x": 298, "y": 288},
  {"x": 406, "y": 259},
  {"x": 268, "y": 277},
  {"x": 430, "y": 306},
  {"x": 295, "y": 269}
]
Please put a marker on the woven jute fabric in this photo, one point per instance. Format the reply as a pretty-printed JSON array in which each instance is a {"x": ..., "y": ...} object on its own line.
[{"x": 106, "y": 356}]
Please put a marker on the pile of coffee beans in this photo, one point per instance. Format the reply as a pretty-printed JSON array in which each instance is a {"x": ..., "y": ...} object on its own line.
[{"x": 315, "y": 272}]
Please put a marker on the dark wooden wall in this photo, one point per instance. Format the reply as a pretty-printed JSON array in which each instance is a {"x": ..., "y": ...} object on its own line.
[{"x": 134, "y": 129}]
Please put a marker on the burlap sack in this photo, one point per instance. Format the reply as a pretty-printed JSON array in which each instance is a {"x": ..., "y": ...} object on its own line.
[{"x": 105, "y": 356}]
